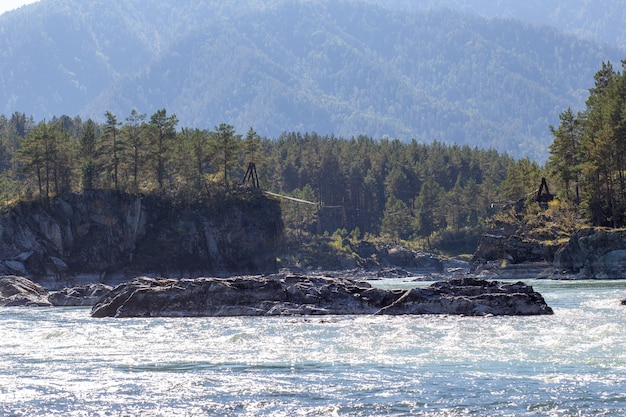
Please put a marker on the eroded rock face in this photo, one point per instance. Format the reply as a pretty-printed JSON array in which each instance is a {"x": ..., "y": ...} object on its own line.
[
  {"x": 85, "y": 238},
  {"x": 18, "y": 291},
  {"x": 471, "y": 297},
  {"x": 304, "y": 295},
  {"x": 512, "y": 248},
  {"x": 594, "y": 253}
]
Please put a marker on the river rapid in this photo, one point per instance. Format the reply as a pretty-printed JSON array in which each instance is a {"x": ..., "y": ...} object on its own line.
[{"x": 62, "y": 362}]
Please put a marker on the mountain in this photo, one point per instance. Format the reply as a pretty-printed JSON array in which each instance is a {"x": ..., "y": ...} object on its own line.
[
  {"x": 599, "y": 20},
  {"x": 334, "y": 67}
]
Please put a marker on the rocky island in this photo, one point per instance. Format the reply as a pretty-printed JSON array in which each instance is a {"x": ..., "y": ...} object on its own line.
[
  {"x": 285, "y": 294},
  {"x": 279, "y": 295}
]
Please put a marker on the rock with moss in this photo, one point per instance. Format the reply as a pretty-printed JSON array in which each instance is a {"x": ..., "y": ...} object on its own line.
[{"x": 513, "y": 249}]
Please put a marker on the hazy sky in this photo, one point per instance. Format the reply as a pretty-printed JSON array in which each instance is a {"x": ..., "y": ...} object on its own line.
[{"x": 6, "y": 5}]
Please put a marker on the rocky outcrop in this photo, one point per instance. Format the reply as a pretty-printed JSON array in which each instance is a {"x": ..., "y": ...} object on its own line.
[
  {"x": 399, "y": 256},
  {"x": 513, "y": 249},
  {"x": 18, "y": 291},
  {"x": 593, "y": 253},
  {"x": 282, "y": 294},
  {"x": 105, "y": 236},
  {"x": 471, "y": 297},
  {"x": 82, "y": 295},
  {"x": 362, "y": 255}
]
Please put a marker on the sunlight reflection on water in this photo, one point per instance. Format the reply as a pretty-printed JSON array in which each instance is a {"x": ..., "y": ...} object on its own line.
[{"x": 62, "y": 362}]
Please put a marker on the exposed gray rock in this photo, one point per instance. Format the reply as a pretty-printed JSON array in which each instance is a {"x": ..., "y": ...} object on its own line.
[
  {"x": 71, "y": 239},
  {"x": 82, "y": 295},
  {"x": 282, "y": 294},
  {"x": 593, "y": 253},
  {"x": 15, "y": 266},
  {"x": 471, "y": 297},
  {"x": 508, "y": 270},
  {"x": 513, "y": 249},
  {"x": 393, "y": 273},
  {"x": 18, "y": 291},
  {"x": 399, "y": 256}
]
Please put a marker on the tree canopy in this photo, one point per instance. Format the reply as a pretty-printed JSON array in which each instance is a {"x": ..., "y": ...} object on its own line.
[
  {"x": 380, "y": 187},
  {"x": 588, "y": 155}
]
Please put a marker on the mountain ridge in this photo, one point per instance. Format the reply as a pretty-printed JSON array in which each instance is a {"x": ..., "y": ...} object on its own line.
[{"x": 344, "y": 68}]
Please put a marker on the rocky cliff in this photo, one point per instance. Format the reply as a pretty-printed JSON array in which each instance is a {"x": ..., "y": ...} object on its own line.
[
  {"x": 590, "y": 253},
  {"x": 104, "y": 236},
  {"x": 593, "y": 253},
  {"x": 513, "y": 248}
]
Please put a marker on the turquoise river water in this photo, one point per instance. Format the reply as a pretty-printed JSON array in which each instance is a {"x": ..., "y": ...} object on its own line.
[{"x": 62, "y": 362}]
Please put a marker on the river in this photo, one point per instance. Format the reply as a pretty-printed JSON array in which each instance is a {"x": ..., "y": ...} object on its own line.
[{"x": 62, "y": 362}]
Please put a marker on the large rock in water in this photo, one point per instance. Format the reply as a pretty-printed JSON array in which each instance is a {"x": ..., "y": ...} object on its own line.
[
  {"x": 303, "y": 295},
  {"x": 106, "y": 236},
  {"x": 18, "y": 291}
]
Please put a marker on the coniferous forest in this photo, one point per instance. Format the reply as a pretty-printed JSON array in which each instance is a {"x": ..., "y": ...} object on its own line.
[
  {"x": 436, "y": 195},
  {"x": 361, "y": 185},
  {"x": 397, "y": 69},
  {"x": 588, "y": 155}
]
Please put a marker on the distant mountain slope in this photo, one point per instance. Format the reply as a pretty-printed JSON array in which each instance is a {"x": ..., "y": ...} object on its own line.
[
  {"x": 598, "y": 20},
  {"x": 342, "y": 67}
]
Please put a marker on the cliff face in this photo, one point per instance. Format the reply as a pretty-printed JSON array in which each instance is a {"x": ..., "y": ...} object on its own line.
[
  {"x": 513, "y": 248},
  {"x": 104, "y": 236},
  {"x": 594, "y": 253},
  {"x": 590, "y": 253}
]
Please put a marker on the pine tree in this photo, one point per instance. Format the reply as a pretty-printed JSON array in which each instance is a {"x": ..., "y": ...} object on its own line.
[
  {"x": 88, "y": 155},
  {"x": 564, "y": 160},
  {"x": 162, "y": 130},
  {"x": 192, "y": 160},
  {"x": 226, "y": 146},
  {"x": 31, "y": 155},
  {"x": 115, "y": 146},
  {"x": 135, "y": 140}
]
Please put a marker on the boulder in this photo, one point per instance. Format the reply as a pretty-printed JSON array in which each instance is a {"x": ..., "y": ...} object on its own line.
[
  {"x": 399, "y": 256},
  {"x": 285, "y": 294},
  {"x": 19, "y": 291},
  {"x": 81, "y": 295}
]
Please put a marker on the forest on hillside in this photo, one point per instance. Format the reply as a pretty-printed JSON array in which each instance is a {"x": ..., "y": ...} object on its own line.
[
  {"x": 363, "y": 186},
  {"x": 332, "y": 67},
  {"x": 439, "y": 195}
]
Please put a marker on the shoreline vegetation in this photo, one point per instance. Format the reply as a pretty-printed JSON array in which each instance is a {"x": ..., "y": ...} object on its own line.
[
  {"x": 428, "y": 197},
  {"x": 343, "y": 195}
]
